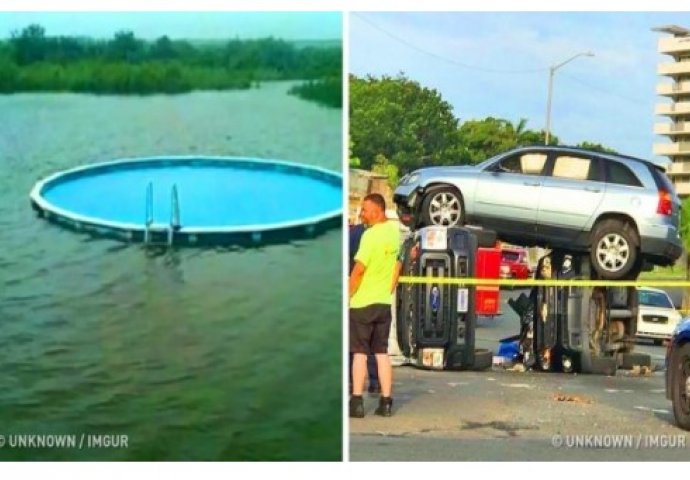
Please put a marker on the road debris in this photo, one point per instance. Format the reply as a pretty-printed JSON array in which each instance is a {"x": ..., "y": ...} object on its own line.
[
  {"x": 562, "y": 397},
  {"x": 640, "y": 371}
]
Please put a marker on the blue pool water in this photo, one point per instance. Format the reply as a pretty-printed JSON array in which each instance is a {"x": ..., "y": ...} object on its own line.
[{"x": 209, "y": 195}]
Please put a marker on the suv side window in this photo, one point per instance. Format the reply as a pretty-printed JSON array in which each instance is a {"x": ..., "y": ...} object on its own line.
[
  {"x": 525, "y": 164},
  {"x": 576, "y": 168},
  {"x": 620, "y": 174}
]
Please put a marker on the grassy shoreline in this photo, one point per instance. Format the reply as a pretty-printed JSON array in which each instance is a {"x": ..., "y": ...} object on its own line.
[
  {"x": 328, "y": 92},
  {"x": 31, "y": 61},
  {"x": 160, "y": 78}
]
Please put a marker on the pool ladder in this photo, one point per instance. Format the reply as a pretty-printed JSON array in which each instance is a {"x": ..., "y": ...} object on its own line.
[{"x": 150, "y": 229}]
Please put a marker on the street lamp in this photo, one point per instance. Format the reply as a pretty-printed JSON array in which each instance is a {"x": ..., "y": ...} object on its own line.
[{"x": 552, "y": 71}]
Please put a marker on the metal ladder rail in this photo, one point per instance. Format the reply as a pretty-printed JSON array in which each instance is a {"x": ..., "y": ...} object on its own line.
[
  {"x": 148, "y": 207},
  {"x": 174, "y": 214}
]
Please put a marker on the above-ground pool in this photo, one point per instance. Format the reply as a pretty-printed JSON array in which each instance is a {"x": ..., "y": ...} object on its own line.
[{"x": 190, "y": 200}]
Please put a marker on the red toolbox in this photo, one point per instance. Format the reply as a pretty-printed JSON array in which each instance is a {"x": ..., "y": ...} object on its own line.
[{"x": 488, "y": 264}]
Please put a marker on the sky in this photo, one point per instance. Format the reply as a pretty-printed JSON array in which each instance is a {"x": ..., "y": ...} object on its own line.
[
  {"x": 497, "y": 64},
  {"x": 190, "y": 25}
]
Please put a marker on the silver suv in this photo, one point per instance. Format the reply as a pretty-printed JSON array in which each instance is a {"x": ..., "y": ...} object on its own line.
[{"x": 621, "y": 209}]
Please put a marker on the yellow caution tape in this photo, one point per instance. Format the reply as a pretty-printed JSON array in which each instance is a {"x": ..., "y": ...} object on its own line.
[{"x": 530, "y": 282}]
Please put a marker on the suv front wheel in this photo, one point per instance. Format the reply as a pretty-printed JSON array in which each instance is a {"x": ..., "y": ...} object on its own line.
[
  {"x": 442, "y": 206},
  {"x": 679, "y": 367},
  {"x": 614, "y": 251}
]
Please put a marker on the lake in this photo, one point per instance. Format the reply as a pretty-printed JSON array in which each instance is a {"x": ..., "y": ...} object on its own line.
[{"x": 194, "y": 354}]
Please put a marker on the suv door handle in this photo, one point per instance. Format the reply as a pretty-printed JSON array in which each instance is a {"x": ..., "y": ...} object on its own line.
[
  {"x": 590, "y": 189},
  {"x": 531, "y": 184}
]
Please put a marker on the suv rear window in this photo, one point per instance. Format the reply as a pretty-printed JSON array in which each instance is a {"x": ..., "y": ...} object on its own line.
[
  {"x": 662, "y": 181},
  {"x": 621, "y": 175}
]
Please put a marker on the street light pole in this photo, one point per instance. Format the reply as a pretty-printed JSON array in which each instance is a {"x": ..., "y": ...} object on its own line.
[{"x": 552, "y": 71}]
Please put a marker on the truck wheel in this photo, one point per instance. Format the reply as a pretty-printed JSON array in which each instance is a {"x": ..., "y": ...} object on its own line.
[
  {"x": 614, "y": 250},
  {"x": 680, "y": 386},
  {"x": 443, "y": 206}
]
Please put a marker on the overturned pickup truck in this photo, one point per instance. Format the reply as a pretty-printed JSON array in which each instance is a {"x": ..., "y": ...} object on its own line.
[{"x": 576, "y": 329}]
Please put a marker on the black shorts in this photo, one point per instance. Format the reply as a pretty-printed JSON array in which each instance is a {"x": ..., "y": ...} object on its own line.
[{"x": 369, "y": 328}]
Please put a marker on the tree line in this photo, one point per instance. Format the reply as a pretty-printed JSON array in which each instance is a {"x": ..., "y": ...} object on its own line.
[
  {"x": 32, "y": 61},
  {"x": 397, "y": 126}
]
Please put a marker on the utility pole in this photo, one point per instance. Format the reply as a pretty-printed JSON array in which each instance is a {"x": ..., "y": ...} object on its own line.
[{"x": 552, "y": 71}]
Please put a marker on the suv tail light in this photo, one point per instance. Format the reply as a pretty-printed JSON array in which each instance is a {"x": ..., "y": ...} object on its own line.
[{"x": 665, "y": 205}]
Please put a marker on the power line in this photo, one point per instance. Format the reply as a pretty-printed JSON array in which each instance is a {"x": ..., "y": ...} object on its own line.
[
  {"x": 441, "y": 57},
  {"x": 490, "y": 70},
  {"x": 603, "y": 90}
]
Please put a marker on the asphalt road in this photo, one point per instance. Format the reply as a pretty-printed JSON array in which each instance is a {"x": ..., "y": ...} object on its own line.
[{"x": 502, "y": 414}]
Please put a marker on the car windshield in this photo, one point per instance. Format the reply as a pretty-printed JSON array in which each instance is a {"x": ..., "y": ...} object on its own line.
[{"x": 654, "y": 299}]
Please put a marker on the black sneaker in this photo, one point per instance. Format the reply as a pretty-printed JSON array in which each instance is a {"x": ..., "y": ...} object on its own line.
[
  {"x": 356, "y": 406},
  {"x": 385, "y": 408}
]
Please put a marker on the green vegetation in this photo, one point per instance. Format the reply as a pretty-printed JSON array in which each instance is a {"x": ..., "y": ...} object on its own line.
[
  {"x": 595, "y": 147},
  {"x": 398, "y": 121},
  {"x": 396, "y": 126},
  {"x": 674, "y": 272},
  {"x": 32, "y": 61},
  {"x": 685, "y": 238},
  {"x": 685, "y": 231},
  {"x": 482, "y": 139},
  {"x": 328, "y": 91}
]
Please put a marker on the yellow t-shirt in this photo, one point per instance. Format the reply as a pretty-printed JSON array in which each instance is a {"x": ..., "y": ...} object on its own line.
[{"x": 378, "y": 252}]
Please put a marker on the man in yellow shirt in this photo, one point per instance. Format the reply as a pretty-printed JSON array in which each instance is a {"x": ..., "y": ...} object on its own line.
[{"x": 372, "y": 282}]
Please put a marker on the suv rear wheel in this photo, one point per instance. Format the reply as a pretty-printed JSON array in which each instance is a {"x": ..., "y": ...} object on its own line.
[
  {"x": 614, "y": 251},
  {"x": 442, "y": 206}
]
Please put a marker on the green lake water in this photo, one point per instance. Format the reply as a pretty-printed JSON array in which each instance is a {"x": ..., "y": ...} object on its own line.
[{"x": 194, "y": 354}]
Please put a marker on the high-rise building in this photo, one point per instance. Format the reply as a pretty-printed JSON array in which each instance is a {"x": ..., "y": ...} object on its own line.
[{"x": 677, "y": 46}]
